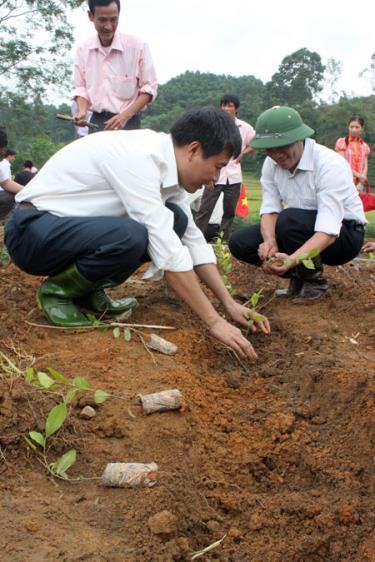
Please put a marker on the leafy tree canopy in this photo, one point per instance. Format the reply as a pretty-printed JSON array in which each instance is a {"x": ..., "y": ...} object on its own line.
[
  {"x": 298, "y": 80},
  {"x": 35, "y": 36}
]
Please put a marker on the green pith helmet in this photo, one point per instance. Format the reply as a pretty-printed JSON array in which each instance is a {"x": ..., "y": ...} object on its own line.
[{"x": 279, "y": 126}]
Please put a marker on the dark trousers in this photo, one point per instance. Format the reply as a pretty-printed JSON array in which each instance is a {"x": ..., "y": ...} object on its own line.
[
  {"x": 43, "y": 244},
  {"x": 209, "y": 199},
  {"x": 100, "y": 119},
  {"x": 293, "y": 228},
  {"x": 6, "y": 203}
]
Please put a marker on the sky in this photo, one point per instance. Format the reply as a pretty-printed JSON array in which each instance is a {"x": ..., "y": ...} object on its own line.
[{"x": 243, "y": 37}]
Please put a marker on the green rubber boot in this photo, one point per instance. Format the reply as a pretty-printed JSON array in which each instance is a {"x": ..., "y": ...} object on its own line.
[
  {"x": 55, "y": 298},
  {"x": 98, "y": 301}
]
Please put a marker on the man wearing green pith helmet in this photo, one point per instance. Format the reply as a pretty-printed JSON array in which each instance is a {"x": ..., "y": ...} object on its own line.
[{"x": 309, "y": 203}]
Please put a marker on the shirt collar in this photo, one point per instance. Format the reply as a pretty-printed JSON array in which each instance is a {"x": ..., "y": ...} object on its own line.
[
  {"x": 94, "y": 43},
  {"x": 306, "y": 162},
  {"x": 170, "y": 177},
  {"x": 358, "y": 139}
]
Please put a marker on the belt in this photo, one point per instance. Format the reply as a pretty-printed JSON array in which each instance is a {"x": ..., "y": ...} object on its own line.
[
  {"x": 105, "y": 114},
  {"x": 25, "y": 205},
  {"x": 359, "y": 227}
]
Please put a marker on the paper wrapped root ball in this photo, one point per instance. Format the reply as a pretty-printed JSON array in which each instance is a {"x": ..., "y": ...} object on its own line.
[
  {"x": 162, "y": 401},
  {"x": 122, "y": 474},
  {"x": 160, "y": 344}
]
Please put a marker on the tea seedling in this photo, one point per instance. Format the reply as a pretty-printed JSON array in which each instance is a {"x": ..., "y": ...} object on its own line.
[
  {"x": 55, "y": 382},
  {"x": 306, "y": 258},
  {"x": 255, "y": 316},
  {"x": 224, "y": 260}
]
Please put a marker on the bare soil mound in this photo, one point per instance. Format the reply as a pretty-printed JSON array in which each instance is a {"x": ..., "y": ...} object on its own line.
[{"x": 276, "y": 454}]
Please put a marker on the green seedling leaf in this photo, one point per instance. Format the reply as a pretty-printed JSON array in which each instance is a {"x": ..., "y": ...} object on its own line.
[
  {"x": 116, "y": 332},
  {"x": 259, "y": 317},
  {"x": 81, "y": 383},
  {"x": 309, "y": 264},
  {"x": 94, "y": 321},
  {"x": 44, "y": 380},
  {"x": 38, "y": 438},
  {"x": 58, "y": 376},
  {"x": 254, "y": 299},
  {"x": 65, "y": 462},
  {"x": 100, "y": 396},
  {"x": 302, "y": 257},
  {"x": 70, "y": 395},
  {"x": 250, "y": 322},
  {"x": 127, "y": 334},
  {"x": 55, "y": 419},
  {"x": 314, "y": 252},
  {"x": 288, "y": 262},
  {"x": 29, "y": 375}
]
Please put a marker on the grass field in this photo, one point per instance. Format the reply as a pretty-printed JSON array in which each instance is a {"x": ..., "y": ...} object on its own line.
[{"x": 255, "y": 196}]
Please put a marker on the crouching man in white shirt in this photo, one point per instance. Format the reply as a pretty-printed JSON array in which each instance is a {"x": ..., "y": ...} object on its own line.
[
  {"x": 105, "y": 204},
  {"x": 309, "y": 202}
]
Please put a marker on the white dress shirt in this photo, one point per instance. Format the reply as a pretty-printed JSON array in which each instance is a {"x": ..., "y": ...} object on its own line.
[
  {"x": 123, "y": 174},
  {"x": 322, "y": 181},
  {"x": 5, "y": 171}
]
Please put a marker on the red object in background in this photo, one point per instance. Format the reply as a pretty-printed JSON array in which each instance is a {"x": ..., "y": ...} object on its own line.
[
  {"x": 242, "y": 209},
  {"x": 368, "y": 199}
]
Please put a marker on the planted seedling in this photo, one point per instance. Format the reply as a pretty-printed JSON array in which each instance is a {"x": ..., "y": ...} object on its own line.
[
  {"x": 224, "y": 260},
  {"x": 254, "y": 314},
  {"x": 305, "y": 258},
  {"x": 55, "y": 382}
]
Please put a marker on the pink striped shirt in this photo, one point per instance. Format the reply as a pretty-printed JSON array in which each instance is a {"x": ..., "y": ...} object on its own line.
[
  {"x": 232, "y": 172},
  {"x": 112, "y": 78}
]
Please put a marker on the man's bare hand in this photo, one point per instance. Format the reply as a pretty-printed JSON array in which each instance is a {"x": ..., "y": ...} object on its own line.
[
  {"x": 267, "y": 249},
  {"x": 117, "y": 122},
  {"x": 80, "y": 118},
  {"x": 241, "y": 314},
  {"x": 232, "y": 337},
  {"x": 278, "y": 264}
]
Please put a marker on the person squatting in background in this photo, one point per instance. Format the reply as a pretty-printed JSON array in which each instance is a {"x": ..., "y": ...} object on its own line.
[
  {"x": 355, "y": 151},
  {"x": 309, "y": 202},
  {"x": 8, "y": 187}
]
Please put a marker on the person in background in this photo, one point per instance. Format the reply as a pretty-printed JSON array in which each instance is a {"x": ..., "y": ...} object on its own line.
[
  {"x": 309, "y": 203},
  {"x": 26, "y": 174},
  {"x": 355, "y": 151},
  {"x": 230, "y": 180},
  {"x": 8, "y": 187},
  {"x": 114, "y": 76},
  {"x": 107, "y": 203},
  {"x": 3, "y": 139}
]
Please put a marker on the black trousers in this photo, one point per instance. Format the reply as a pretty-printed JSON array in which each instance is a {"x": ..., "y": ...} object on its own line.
[
  {"x": 43, "y": 244},
  {"x": 293, "y": 228},
  {"x": 209, "y": 199},
  {"x": 100, "y": 119},
  {"x": 6, "y": 203}
]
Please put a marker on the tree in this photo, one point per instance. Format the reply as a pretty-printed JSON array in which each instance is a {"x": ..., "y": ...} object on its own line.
[
  {"x": 298, "y": 79},
  {"x": 369, "y": 73},
  {"x": 332, "y": 74},
  {"x": 32, "y": 54}
]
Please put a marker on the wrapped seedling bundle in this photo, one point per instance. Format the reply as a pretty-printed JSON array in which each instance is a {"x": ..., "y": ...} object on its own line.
[
  {"x": 160, "y": 344},
  {"x": 162, "y": 401},
  {"x": 121, "y": 474}
]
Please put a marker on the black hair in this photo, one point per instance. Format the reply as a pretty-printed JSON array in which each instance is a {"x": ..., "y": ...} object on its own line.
[
  {"x": 28, "y": 164},
  {"x": 3, "y": 137},
  {"x": 9, "y": 152},
  {"x": 230, "y": 98},
  {"x": 213, "y": 128},
  {"x": 359, "y": 119},
  {"x": 94, "y": 3}
]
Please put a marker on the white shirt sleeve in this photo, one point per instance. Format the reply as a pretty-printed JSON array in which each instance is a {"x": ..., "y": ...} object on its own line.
[
  {"x": 5, "y": 173},
  {"x": 271, "y": 200},
  {"x": 331, "y": 182},
  {"x": 137, "y": 182}
]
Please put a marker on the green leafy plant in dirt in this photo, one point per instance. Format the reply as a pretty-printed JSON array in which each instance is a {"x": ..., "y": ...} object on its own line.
[
  {"x": 56, "y": 383},
  {"x": 305, "y": 258},
  {"x": 4, "y": 256},
  {"x": 224, "y": 260}
]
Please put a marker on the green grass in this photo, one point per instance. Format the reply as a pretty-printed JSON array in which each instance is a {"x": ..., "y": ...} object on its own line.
[{"x": 254, "y": 195}]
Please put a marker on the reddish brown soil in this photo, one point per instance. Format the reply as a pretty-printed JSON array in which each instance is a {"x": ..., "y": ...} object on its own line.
[{"x": 278, "y": 454}]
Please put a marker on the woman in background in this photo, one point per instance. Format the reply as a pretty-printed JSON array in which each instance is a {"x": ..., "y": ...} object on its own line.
[{"x": 355, "y": 150}]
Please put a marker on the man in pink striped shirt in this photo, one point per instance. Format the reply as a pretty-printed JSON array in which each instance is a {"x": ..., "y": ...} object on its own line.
[
  {"x": 230, "y": 178},
  {"x": 114, "y": 76}
]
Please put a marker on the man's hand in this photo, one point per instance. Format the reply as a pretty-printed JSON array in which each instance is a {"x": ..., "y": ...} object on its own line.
[
  {"x": 267, "y": 249},
  {"x": 80, "y": 118},
  {"x": 117, "y": 122},
  {"x": 241, "y": 314},
  {"x": 368, "y": 247},
  {"x": 278, "y": 264},
  {"x": 232, "y": 337}
]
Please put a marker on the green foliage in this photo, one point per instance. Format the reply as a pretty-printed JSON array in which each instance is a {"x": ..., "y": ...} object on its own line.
[
  {"x": 56, "y": 382},
  {"x": 298, "y": 80},
  {"x": 35, "y": 39},
  {"x": 224, "y": 260}
]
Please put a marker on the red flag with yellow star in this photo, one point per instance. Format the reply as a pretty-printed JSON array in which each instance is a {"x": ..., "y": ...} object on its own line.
[{"x": 242, "y": 209}]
